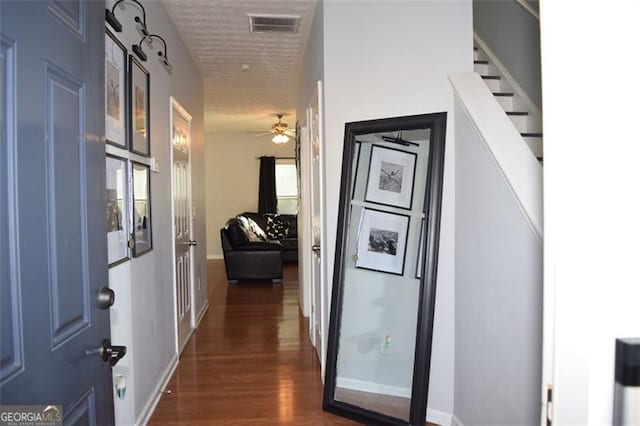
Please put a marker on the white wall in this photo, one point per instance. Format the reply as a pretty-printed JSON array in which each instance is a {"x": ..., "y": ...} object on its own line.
[
  {"x": 143, "y": 316},
  {"x": 498, "y": 296},
  {"x": 386, "y": 59},
  {"x": 233, "y": 175},
  {"x": 592, "y": 202}
]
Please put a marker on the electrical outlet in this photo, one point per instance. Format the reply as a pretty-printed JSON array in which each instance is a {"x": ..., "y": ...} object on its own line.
[{"x": 385, "y": 345}]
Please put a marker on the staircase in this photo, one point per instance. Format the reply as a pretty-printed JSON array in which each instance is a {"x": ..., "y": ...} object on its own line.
[{"x": 528, "y": 122}]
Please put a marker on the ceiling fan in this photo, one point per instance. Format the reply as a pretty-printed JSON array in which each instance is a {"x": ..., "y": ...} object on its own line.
[{"x": 281, "y": 131}]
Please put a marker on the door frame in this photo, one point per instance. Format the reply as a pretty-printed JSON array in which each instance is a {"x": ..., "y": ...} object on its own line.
[
  {"x": 304, "y": 232},
  {"x": 315, "y": 114},
  {"x": 174, "y": 104}
]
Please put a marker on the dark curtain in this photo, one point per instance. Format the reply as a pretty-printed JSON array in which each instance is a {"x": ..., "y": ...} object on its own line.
[{"x": 267, "y": 199}]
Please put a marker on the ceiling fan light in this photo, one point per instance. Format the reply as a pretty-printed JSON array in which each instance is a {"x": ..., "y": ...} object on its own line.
[{"x": 280, "y": 139}]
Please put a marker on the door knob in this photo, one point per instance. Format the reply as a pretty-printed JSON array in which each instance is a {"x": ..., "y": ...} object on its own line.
[
  {"x": 192, "y": 243},
  {"x": 106, "y": 297},
  {"x": 109, "y": 353}
]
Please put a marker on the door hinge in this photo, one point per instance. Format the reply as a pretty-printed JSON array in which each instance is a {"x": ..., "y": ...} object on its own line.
[{"x": 549, "y": 405}]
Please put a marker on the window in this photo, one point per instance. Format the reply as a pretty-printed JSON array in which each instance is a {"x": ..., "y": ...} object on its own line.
[{"x": 287, "y": 186}]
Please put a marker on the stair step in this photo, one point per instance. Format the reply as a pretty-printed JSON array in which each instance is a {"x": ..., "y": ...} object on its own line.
[
  {"x": 521, "y": 122},
  {"x": 506, "y": 102},
  {"x": 494, "y": 84},
  {"x": 534, "y": 143},
  {"x": 483, "y": 68}
]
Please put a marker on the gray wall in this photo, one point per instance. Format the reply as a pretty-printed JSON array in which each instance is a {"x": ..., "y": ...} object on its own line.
[
  {"x": 143, "y": 317},
  {"x": 498, "y": 295},
  {"x": 313, "y": 64},
  {"x": 514, "y": 37}
]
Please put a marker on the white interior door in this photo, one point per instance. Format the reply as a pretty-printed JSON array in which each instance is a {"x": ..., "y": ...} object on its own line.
[
  {"x": 182, "y": 221},
  {"x": 317, "y": 320}
]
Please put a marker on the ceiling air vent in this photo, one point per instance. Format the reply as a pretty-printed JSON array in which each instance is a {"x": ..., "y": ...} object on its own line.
[{"x": 273, "y": 23}]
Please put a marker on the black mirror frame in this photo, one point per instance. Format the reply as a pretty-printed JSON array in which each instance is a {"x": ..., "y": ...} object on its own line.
[{"x": 426, "y": 305}]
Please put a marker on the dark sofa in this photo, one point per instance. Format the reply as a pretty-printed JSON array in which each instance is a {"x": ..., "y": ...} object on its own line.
[{"x": 250, "y": 254}]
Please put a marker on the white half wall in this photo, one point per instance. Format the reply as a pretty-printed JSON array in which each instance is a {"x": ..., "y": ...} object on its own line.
[
  {"x": 498, "y": 296},
  {"x": 387, "y": 59}
]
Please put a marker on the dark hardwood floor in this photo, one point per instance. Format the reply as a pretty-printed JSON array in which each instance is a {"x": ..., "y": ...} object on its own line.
[{"x": 249, "y": 363}]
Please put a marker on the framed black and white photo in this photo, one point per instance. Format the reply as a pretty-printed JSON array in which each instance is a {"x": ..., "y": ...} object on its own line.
[
  {"x": 116, "y": 212},
  {"x": 390, "y": 180},
  {"x": 140, "y": 182},
  {"x": 420, "y": 251},
  {"x": 139, "y": 120},
  {"x": 382, "y": 241},
  {"x": 115, "y": 62}
]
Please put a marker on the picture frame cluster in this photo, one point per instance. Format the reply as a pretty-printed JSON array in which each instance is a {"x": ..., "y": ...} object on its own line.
[{"x": 127, "y": 131}]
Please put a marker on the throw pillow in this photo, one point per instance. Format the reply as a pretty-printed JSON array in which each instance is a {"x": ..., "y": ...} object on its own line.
[
  {"x": 257, "y": 230},
  {"x": 276, "y": 228}
]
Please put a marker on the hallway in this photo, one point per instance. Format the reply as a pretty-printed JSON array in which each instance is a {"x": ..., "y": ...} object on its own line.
[{"x": 249, "y": 363}]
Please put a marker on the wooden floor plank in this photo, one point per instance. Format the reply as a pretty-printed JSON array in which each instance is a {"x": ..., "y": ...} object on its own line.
[{"x": 249, "y": 363}]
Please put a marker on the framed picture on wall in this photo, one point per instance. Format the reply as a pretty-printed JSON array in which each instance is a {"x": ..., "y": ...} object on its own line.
[
  {"x": 116, "y": 210},
  {"x": 115, "y": 62},
  {"x": 139, "y": 117},
  {"x": 382, "y": 241},
  {"x": 141, "y": 208},
  {"x": 390, "y": 180}
]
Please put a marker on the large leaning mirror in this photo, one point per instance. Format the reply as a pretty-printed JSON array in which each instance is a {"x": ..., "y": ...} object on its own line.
[{"x": 384, "y": 281}]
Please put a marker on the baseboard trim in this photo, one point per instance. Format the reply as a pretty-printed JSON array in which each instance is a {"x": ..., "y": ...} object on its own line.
[
  {"x": 153, "y": 400},
  {"x": 439, "y": 417},
  {"x": 201, "y": 315},
  {"x": 365, "y": 386},
  {"x": 215, "y": 257},
  {"x": 433, "y": 416}
]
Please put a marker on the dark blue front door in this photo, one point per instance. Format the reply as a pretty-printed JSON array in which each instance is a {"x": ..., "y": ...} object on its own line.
[{"x": 52, "y": 210}]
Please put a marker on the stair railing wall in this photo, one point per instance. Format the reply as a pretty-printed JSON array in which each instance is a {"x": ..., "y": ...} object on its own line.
[
  {"x": 518, "y": 165},
  {"x": 511, "y": 30}
]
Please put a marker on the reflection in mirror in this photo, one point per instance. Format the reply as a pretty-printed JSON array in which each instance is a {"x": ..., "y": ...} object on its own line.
[
  {"x": 382, "y": 307},
  {"x": 141, "y": 220}
]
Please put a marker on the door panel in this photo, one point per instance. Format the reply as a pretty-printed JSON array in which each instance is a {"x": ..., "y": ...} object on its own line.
[
  {"x": 52, "y": 223},
  {"x": 11, "y": 348},
  {"x": 181, "y": 127}
]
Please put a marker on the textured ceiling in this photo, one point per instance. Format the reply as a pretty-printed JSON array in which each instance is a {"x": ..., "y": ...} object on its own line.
[{"x": 217, "y": 35}]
